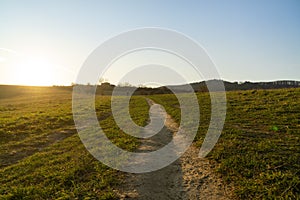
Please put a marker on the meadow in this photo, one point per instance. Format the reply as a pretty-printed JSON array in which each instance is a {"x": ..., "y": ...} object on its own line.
[
  {"x": 259, "y": 149},
  {"x": 42, "y": 157}
]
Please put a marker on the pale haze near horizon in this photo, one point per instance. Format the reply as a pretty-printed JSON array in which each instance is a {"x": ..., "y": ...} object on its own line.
[{"x": 46, "y": 42}]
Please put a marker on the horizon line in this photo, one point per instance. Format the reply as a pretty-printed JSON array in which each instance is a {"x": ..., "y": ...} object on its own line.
[{"x": 132, "y": 85}]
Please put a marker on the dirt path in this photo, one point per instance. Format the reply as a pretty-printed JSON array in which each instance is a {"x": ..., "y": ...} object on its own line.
[{"x": 189, "y": 177}]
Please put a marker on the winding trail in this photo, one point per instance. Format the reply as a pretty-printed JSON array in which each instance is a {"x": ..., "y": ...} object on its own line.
[{"x": 189, "y": 177}]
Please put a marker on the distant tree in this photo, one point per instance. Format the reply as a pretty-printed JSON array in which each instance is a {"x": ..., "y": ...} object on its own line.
[
  {"x": 125, "y": 84},
  {"x": 142, "y": 86},
  {"x": 102, "y": 80}
]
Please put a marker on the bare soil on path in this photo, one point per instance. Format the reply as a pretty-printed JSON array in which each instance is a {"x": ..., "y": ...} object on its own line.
[{"x": 189, "y": 177}]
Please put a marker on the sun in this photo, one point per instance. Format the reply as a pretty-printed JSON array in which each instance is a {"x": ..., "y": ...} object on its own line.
[{"x": 34, "y": 71}]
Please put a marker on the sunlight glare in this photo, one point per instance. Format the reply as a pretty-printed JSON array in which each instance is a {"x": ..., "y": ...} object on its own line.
[
  {"x": 2, "y": 59},
  {"x": 35, "y": 71}
]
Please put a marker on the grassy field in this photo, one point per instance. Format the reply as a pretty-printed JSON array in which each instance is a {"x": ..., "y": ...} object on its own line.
[
  {"x": 259, "y": 149},
  {"x": 42, "y": 157}
]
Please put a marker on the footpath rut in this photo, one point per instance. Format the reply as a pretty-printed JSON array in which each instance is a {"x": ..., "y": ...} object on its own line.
[{"x": 189, "y": 177}]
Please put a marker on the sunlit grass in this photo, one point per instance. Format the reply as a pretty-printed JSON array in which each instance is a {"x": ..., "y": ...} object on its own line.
[
  {"x": 41, "y": 155},
  {"x": 259, "y": 149}
]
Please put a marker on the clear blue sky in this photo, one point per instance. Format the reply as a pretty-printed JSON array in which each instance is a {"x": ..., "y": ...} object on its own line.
[{"x": 248, "y": 40}]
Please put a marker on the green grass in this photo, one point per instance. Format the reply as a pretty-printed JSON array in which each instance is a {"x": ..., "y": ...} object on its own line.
[
  {"x": 41, "y": 155},
  {"x": 259, "y": 149}
]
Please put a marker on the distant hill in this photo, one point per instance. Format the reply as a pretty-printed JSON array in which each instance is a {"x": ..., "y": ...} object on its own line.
[
  {"x": 107, "y": 88},
  {"x": 230, "y": 86}
]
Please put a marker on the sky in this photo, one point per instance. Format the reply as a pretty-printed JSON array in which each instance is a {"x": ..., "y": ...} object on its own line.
[{"x": 46, "y": 42}]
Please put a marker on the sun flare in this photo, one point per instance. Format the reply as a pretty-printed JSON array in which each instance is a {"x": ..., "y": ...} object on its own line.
[{"x": 34, "y": 71}]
